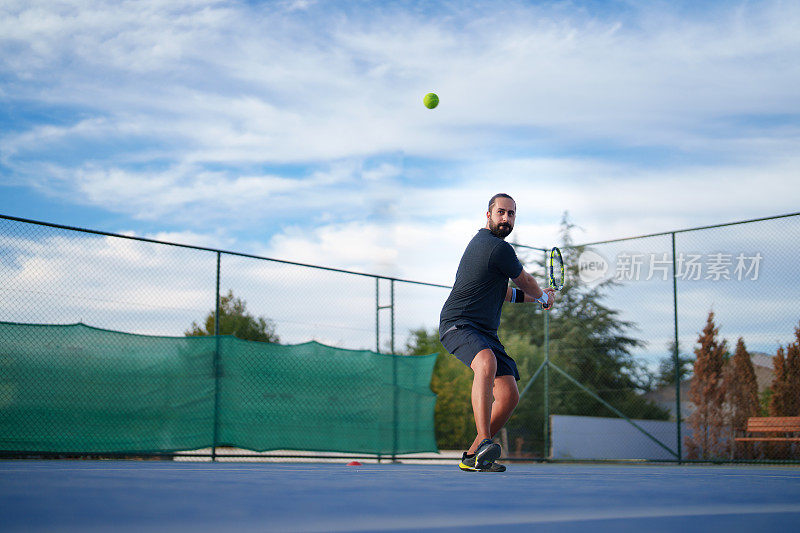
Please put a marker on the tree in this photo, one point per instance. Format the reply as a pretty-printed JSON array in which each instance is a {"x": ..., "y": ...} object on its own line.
[
  {"x": 741, "y": 396},
  {"x": 793, "y": 376},
  {"x": 665, "y": 375},
  {"x": 707, "y": 392},
  {"x": 779, "y": 399},
  {"x": 785, "y": 391},
  {"x": 785, "y": 399},
  {"x": 235, "y": 320}
]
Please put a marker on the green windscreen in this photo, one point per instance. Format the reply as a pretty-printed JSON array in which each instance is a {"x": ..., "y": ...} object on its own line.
[{"x": 80, "y": 389}]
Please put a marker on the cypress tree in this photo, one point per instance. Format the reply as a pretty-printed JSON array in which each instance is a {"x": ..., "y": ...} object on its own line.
[
  {"x": 777, "y": 403},
  {"x": 785, "y": 400},
  {"x": 792, "y": 386},
  {"x": 741, "y": 396},
  {"x": 707, "y": 392}
]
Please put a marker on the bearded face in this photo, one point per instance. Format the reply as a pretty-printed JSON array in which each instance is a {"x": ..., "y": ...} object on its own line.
[
  {"x": 500, "y": 218},
  {"x": 500, "y": 229}
]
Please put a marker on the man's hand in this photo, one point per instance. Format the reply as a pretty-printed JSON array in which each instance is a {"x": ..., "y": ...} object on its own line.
[
  {"x": 529, "y": 286},
  {"x": 551, "y": 298}
]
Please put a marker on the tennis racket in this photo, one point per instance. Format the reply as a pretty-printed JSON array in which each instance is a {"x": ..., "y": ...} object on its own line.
[
  {"x": 555, "y": 269},
  {"x": 555, "y": 273}
]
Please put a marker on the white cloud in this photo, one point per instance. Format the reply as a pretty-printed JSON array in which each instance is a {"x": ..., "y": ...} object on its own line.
[
  {"x": 154, "y": 195},
  {"x": 609, "y": 200},
  {"x": 356, "y": 244},
  {"x": 104, "y": 282},
  {"x": 239, "y": 83}
]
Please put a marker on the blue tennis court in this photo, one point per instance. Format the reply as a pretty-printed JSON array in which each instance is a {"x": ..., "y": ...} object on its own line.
[{"x": 167, "y": 496}]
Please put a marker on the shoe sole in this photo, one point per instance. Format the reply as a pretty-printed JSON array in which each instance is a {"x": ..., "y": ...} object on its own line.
[
  {"x": 467, "y": 468},
  {"x": 489, "y": 469},
  {"x": 488, "y": 456}
]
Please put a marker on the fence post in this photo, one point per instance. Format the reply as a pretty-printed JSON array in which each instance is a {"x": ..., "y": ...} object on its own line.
[
  {"x": 394, "y": 376},
  {"x": 391, "y": 311},
  {"x": 378, "y": 307},
  {"x": 677, "y": 355},
  {"x": 546, "y": 375},
  {"x": 216, "y": 367},
  {"x": 377, "y": 315}
]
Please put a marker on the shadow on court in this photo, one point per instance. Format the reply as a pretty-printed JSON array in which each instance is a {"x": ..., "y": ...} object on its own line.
[{"x": 198, "y": 497}]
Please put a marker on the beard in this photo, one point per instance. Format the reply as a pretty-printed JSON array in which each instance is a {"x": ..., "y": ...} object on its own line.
[{"x": 501, "y": 230}]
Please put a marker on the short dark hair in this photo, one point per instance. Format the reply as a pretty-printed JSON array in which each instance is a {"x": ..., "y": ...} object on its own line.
[{"x": 500, "y": 195}]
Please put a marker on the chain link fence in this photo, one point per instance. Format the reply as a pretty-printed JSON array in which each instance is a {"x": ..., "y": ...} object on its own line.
[
  {"x": 609, "y": 374},
  {"x": 110, "y": 344},
  {"x": 622, "y": 379}
]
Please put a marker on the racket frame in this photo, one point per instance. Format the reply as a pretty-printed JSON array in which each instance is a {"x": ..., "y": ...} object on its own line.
[{"x": 555, "y": 254}]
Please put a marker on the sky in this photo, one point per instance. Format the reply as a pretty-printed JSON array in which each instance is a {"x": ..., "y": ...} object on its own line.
[{"x": 296, "y": 130}]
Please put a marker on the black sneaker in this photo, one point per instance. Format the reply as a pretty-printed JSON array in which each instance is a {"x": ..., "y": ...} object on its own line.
[
  {"x": 494, "y": 467},
  {"x": 467, "y": 464},
  {"x": 488, "y": 451}
]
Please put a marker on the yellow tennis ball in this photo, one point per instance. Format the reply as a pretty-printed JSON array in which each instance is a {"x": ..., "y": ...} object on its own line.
[{"x": 430, "y": 100}]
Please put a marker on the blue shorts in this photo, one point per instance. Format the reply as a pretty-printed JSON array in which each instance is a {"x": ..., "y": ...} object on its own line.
[{"x": 465, "y": 342}]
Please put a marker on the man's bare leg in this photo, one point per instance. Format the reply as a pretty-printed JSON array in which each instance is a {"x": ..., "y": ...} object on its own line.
[
  {"x": 506, "y": 398},
  {"x": 484, "y": 366}
]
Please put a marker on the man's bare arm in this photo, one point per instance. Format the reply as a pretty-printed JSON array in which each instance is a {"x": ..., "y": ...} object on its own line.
[{"x": 531, "y": 288}]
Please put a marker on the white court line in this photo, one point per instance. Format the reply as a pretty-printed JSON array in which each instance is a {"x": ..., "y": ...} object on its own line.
[
  {"x": 379, "y": 523},
  {"x": 388, "y": 523}
]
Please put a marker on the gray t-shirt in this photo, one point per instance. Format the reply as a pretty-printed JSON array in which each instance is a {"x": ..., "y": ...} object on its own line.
[{"x": 481, "y": 283}]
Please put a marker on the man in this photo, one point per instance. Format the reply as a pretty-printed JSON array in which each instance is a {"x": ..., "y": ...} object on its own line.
[{"x": 469, "y": 321}]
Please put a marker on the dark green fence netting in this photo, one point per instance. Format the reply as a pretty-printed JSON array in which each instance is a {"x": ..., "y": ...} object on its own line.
[{"x": 79, "y": 389}]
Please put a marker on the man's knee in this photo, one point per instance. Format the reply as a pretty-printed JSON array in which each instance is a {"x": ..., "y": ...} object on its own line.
[{"x": 484, "y": 363}]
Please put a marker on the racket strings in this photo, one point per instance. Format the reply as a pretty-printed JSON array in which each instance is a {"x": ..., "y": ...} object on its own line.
[{"x": 556, "y": 269}]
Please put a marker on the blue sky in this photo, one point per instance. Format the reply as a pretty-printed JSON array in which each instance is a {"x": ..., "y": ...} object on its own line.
[{"x": 295, "y": 129}]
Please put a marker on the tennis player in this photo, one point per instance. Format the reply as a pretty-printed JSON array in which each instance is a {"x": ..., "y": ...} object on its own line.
[{"x": 469, "y": 321}]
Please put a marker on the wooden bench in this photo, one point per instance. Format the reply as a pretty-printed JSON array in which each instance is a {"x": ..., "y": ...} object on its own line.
[{"x": 784, "y": 424}]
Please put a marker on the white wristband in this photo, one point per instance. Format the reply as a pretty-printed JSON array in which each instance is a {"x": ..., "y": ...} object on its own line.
[{"x": 543, "y": 298}]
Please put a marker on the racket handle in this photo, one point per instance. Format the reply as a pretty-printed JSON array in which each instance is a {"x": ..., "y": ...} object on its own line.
[{"x": 543, "y": 299}]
